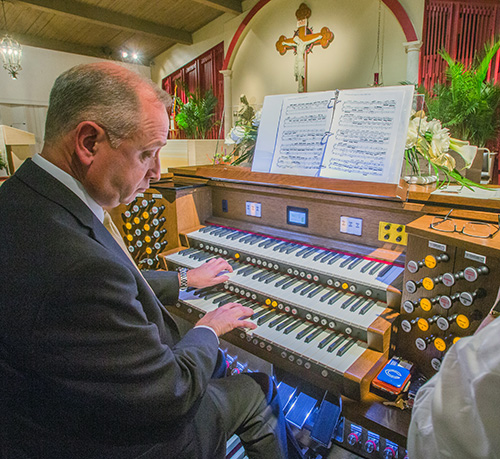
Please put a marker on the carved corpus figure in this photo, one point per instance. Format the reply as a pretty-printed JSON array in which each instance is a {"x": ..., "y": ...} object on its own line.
[{"x": 302, "y": 43}]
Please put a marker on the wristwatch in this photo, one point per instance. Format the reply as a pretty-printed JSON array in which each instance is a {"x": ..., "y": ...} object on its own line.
[
  {"x": 184, "y": 279},
  {"x": 495, "y": 310}
]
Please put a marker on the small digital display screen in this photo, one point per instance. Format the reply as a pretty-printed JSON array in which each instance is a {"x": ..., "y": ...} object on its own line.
[{"x": 297, "y": 216}]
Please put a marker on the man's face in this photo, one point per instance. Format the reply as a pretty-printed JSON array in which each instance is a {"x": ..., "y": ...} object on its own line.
[{"x": 119, "y": 174}]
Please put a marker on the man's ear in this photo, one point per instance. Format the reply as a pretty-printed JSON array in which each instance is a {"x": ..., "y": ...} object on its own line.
[{"x": 88, "y": 137}]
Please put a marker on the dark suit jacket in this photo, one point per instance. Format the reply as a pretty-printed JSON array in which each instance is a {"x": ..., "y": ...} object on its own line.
[{"x": 87, "y": 352}]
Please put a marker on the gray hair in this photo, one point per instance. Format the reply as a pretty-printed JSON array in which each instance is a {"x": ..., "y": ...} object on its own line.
[{"x": 105, "y": 93}]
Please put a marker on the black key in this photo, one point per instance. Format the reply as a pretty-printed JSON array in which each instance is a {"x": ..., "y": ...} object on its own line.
[
  {"x": 375, "y": 269},
  {"x": 264, "y": 242},
  {"x": 286, "y": 323},
  {"x": 315, "y": 292},
  {"x": 385, "y": 271},
  {"x": 203, "y": 291},
  {"x": 327, "y": 340},
  {"x": 335, "y": 344},
  {"x": 278, "y": 320},
  {"x": 326, "y": 257},
  {"x": 281, "y": 282},
  {"x": 292, "y": 249},
  {"x": 309, "y": 253},
  {"x": 346, "y": 262},
  {"x": 355, "y": 263},
  {"x": 271, "y": 243},
  {"x": 284, "y": 247},
  {"x": 255, "y": 240},
  {"x": 345, "y": 347},
  {"x": 348, "y": 302},
  {"x": 333, "y": 299},
  {"x": 327, "y": 295},
  {"x": 269, "y": 275},
  {"x": 263, "y": 319},
  {"x": 235, "y": 236},
  {"x": 206, "y": 229},
  {"x": 290, "y": 283},
  {"x": 367, "y": 307},
  {"x": 367, "y": 266},
  {"x": 278, "y": 247},
  {"x": 313, "y": 335},
  {"x": 272, "y": 278},
  {"x": 332, "y": 260},
  {"x": 246, "y": 268},
  {"x": 251, "y": 271},
  {"x": 260, "y": 313},
  {"x": 357, "y": 305},
  {"x": 300, "y": 286},
  {"x": 260, "y": 274},
  {"x": 305, "y": 332},
  {"x": 303, "y": 251},
  {"x": 214, "y": 294},
  {"x": 292, "y": 327},
  {"x": 320, "y": 254},
  {"x": 307, "y": 289},
  {"x": 224, "y": 299},
  {"x": 186, "y": 251}
]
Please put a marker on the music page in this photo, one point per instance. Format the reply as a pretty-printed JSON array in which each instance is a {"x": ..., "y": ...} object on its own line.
[
  {"x": 368, "y": 134},
  {"x": 300, "y": 139}
]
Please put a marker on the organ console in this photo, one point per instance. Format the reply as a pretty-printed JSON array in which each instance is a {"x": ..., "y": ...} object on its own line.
[{"x": 341, "y": 277}]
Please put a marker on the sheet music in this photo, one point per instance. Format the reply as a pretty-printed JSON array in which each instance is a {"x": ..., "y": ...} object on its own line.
[
  {"x": 368, "y": 135},
  {"x": 300, "y": 145}
]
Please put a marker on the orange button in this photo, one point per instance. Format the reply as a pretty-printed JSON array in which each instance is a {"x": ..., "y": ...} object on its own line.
[
  {"x": 423, "y": 324},
  {"x": 430, "y": 261},
  {"x": 136, "y": 220},
  {"x": 149, "y": 250},
  {"x": 147, "y": 227},
  {"x": 268, "y": 301},
  {"x": 128, "y": 226},
  {"x": 274, "y": 304},
  {"x": 145, "y": 215},
  {"x": 147, "y": 239},
  {"x": 130, "y": 237},
  {"x": 463, "y": 321},
  {"x": 439, "y": 344},
  {"x": 426, "y": 304},
  {"x": 345, "y": 286},
  {"x": 428, "y": 283},
  {"x": 236, "y": 255}
]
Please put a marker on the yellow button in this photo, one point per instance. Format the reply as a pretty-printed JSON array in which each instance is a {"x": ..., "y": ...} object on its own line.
[
  {"x": 426, "y": 304},
  {"x": 147, "y": 227},
  {"x": 145, "y": 215},
  {"x": 149, "y": 250},
  {"x": 439, "y": 344},
  {"x": 268, "y": 301},
  {"x": 428, "y": 283},
  {"x": 274, "y": 304},
  {"x": 345, "y": 286},
  {"x": 463, "y": 321},
  {"x": 130, "y": 237},
  {"x": 147, "y": 239},
  {"x": 236, "y": 255},
  {"x": 128, "y": 226},
  {"x": 430, "y": 261},
  {"x": 456, "y": 339},
  {"x": 136, "y": 220},
  {"x": 423, "y": 324}
]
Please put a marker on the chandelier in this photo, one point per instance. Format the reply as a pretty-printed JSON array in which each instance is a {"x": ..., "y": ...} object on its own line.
[{"x": 11, "y": 51}]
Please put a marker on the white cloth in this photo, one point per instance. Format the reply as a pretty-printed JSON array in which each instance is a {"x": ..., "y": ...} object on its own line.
[{"x": 457, "y": 412}]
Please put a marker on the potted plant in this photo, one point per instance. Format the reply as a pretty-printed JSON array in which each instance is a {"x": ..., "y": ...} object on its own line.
[{"x": 196, "y": 118}]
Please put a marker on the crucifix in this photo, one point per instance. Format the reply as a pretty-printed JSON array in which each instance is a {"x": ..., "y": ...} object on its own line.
[{"x": 302, "y": 43}]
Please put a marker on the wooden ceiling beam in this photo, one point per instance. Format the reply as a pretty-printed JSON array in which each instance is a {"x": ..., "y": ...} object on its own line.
[
  {"x": 67, "y": 47},
  {"x": 108, "y": 18},
  {"x": 228, "y": 6}
]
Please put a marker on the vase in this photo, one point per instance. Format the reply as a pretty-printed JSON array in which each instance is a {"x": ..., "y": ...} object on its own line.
[{"x": 420, "y": 179}]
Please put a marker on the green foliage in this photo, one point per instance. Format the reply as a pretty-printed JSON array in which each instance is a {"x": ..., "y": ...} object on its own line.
[
  {"x": 196, "y": 116},
  {"x": 3, "y": 164},
  {"x": 467, "y": 104}
]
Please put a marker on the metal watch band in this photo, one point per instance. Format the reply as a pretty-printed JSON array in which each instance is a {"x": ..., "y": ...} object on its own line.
[{"x": 184, "y": 279}]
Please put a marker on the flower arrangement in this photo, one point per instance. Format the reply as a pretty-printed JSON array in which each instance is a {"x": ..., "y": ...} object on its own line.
[
  {"x": 428, "y": 140},
  {"x": 242, "y": 137}
]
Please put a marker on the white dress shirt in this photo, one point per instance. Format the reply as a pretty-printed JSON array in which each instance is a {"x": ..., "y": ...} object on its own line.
[{"x": 457, "y": 412}]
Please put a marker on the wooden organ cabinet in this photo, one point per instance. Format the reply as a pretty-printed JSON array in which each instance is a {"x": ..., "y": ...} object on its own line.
[{"x": 342, "y": 276}]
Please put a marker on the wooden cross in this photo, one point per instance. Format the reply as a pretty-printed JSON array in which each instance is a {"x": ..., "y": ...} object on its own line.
[{"x": 302, "y": 43}]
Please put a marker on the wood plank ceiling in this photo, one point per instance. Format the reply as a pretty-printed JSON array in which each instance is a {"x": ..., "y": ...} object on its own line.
[{"x": 103, "y": 28}]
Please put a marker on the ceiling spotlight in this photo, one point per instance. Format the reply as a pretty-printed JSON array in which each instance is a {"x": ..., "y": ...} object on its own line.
[
  {"x": 135, "y": 56},
  {"x": 124, "y": 54}
]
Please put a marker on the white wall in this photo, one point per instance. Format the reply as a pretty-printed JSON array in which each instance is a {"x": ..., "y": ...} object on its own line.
[{"x": 349, "y": 61}]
